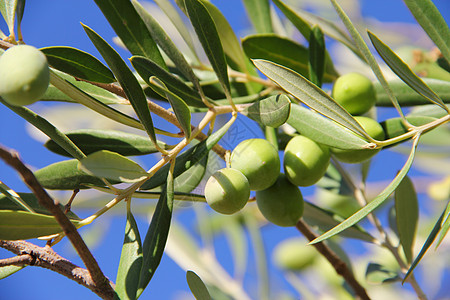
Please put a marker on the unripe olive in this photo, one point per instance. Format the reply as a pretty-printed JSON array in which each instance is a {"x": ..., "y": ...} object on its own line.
[
  {"x": 355, "y": 93},
  {"x": 227, "y": 191},
  {"x": 282, "y": 203},
  {"x": 24, "y": 75},
  {"x": 294, "y": 255},
  {"x": 258, "y": 160},
  {"x": 374, "y": 129},
  {"x": 305, "y": 161}
]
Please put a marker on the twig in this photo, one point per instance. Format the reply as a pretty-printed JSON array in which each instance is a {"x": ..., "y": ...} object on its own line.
[
  {"x": 44, "y": 257},
  {"x": 339, "y": 265},
  {"x": 99, "y": 279}
]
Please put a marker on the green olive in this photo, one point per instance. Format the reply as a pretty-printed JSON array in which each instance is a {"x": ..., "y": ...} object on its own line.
[
  {"x": 355, "y": 93},
  {"x": 282, "y": 203},
  {"x": 227, "y": 191},
  {"x": 305, "y": 161},
  {"x": 258, "y": 160},
  {"x": 294, "y": 254},
  {"x": 24, "y": 75},
  {"x": 374, "y": 129}
]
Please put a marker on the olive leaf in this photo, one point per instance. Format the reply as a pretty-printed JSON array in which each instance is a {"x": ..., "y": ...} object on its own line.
[
  {"x": 259, "y": 14},
  {"x": 197, "y": 287},
  {"x": 272, "y": 111}
]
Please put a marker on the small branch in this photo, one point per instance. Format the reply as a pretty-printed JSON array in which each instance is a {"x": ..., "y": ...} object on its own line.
[
  {"x": 339, "y": 265},
  {"x": 44, "y": 257},
  {"x": 69, "y": 229}
]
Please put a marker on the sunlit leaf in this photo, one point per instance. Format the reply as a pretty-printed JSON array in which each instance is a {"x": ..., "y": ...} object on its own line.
[
  {"x": 22, "y": 225},
  {"x": 92, "y": 140},
  {"x": 65, "y": 175},
  {"x": 126, "y": 79},
  {"x": 407, "y": 215},
  {"x": 9, "y": 270},
  {"x": 156, "y": 237},
  {"x": 191, "y": 178},
  {"x": 323, "y": 130},
  {"x": 431, "y": 20},
  {"x": 107, "y": 164},
  {"x": 445, "y": 223},
  {"x": 179, "y": 107},
  {"x": 130, "y": 28},
  {"x": 394, "y": 127},
  {"x": 309, "y": 93},
  {"x": 197, "y": 287},
  {"x": 259, "y": 14},
  {"x": 272, "y": 111},
  {"x": 8, "y": 10},
  {"x": 78, "y": 63},
  {"x": 404, "y": 72},
  {"x": 130, "y": 264},
  {"x": 209, "y": 38},
  {"x": 14, "y": 197},
  {"x": 377, "y": 201},
  {"x": 406, "y": 96}
]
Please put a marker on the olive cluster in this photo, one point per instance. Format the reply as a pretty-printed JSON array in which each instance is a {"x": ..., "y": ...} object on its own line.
[{"x": 255, "y": 164}]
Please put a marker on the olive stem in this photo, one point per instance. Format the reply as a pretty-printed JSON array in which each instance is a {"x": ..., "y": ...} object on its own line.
[{"x": 339, "y": 265}]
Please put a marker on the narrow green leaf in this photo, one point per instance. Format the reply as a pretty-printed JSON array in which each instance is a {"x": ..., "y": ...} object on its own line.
[
  {"x": 107, "y": 164},
  {"x": 404, "y": 72},
  {"x": 65, "y": 175},
  {"x": 93, "y": 140},
  {"x": 445, "y": 225},
  {"x": 102, "y": 95},
  {"x": 302, "y": 25},
  {"x": 146, "y": 69},
  {"x": 32, "y": 201},
  {"x": 130, "y": 28},
  {"x": 323, "y": 130},
  {"x": 230, "y": 42},
  {"x": 378, "y": 274},
  {"x": 22, "y": 225},
  {"x": 407, "y": 215},
  {"x": 187, "y": 159},
  {"x": 9, "y": 270},
  {"x": 431, "y": 20},
  {"x": 272, "y": 111},
  {"x": 179, "y": 107},
  {"x": 189, "y": 180},
  {"x": 172, "y": 13},
  {"x": 166, "y": 44},
  {"x": 377, "y": 201},
  {"x": 130, "y": 264},
  {"x": 259, "y": 14},
  {"x": 197, "y": 287},
  {"x": 14, "y": 197},
  {"x": 156, "y": 237},
  {"x": 406, "y": 96},
  {"x": 20, "y": 9},
  {"x": 309, "y": 93},
  {"x": 325, "y": 220},
  {"x": 209, "y": 38},
  {"x": 78, "y": 63},
  {"x": 367, "y": 55},
  {"x": 8, "y": 10},
  {"x": 430, "y": 239},
  {"x": 48, "y": 129},
  {"x": 126, "y": 79},
  {"x": 316, "y": 53},
  {"x": 87, "y": 100}
]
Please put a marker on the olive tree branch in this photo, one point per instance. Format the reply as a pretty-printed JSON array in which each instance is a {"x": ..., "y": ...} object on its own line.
[
  {"x": 99, "y": 279},
  {"x": 339, "y": 265},
  {"x": 29, "y": 254}
]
